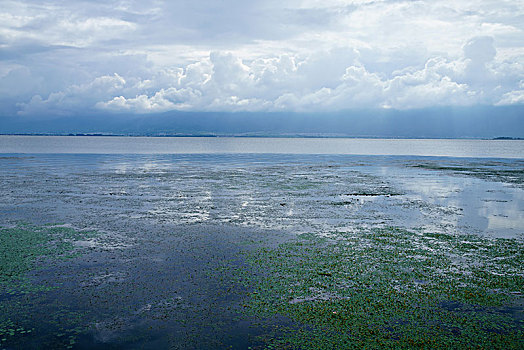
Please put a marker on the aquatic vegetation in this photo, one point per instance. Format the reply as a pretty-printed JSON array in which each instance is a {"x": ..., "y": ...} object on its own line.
[
  {"x": 493, "y": 171},
  {"x": 390, "y": 288},
  {"x": 25, "y": 249},
  {"x": 210, "y": 252}
]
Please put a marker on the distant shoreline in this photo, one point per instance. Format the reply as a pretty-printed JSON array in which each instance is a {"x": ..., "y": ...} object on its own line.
[{"x": 327, "y": 136}]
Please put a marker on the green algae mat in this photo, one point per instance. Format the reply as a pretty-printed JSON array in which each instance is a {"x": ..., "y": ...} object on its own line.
[
  {"x": 374, "y": 288},
  {"x": 24, "y": 250},
  {"x": 389, "y": 288}
]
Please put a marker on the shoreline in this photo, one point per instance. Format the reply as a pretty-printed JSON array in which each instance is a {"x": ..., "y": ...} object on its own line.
[{"x": 285, "y": 136}]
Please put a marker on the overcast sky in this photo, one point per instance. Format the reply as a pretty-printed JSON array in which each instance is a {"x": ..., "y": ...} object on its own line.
[{"x": 66, "y": 57}]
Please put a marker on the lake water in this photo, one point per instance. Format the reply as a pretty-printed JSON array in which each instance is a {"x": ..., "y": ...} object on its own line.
[
  {"x": 191, "y": 145},
  {"x": 469, "y": 184},
  {"x": 173, "y": 221}
]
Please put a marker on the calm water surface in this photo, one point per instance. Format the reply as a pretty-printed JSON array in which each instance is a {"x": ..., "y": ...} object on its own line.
[
  {"x": 296, "y": 192},
  {"x": 179, "y": 145},
  {"x": 170, "y": 212}
]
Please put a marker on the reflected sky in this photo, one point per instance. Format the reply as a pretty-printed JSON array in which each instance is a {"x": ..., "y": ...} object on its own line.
[
  {"x": 295, "y": 193},
  {"x": 471, "y": 204}
]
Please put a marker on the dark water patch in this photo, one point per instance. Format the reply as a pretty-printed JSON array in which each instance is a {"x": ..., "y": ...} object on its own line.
[
  {"x": 24, "y": 250},
  {"x": 174, "y": 289}
]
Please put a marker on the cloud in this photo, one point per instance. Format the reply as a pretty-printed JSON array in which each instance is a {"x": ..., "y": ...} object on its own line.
[
  {"x": 329, "y": 81},
  {"x": 70, "y": 57},
  {"x": 47, "y": 24},
  {"x": 75, "y": 97},
  {"x": 511, "y": 98},
  {"x": 19, "y": 82},
  {"x": 161, "y": 101},
  {"x": 480, "y": 50}
]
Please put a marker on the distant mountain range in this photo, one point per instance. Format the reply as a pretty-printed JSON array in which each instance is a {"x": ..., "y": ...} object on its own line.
[{"x": 445, "y": 122}]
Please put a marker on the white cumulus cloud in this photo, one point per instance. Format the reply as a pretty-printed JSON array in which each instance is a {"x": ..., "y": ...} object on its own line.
[{"x": 74, "y": 57}]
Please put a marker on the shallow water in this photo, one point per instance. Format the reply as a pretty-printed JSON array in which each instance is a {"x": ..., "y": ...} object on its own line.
[
  {"x": 294, "y": 192},
  {"x": 167, "y": 220}
]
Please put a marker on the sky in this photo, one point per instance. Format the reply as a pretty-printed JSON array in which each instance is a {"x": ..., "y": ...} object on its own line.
[{"x": 72, "y": 57}]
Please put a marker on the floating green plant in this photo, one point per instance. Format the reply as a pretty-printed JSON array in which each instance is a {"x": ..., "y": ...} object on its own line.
[
  {"x": 25, "y": 249},
  {"x": 24, "y": 246},
  {"x": 390, "y": 288}
]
